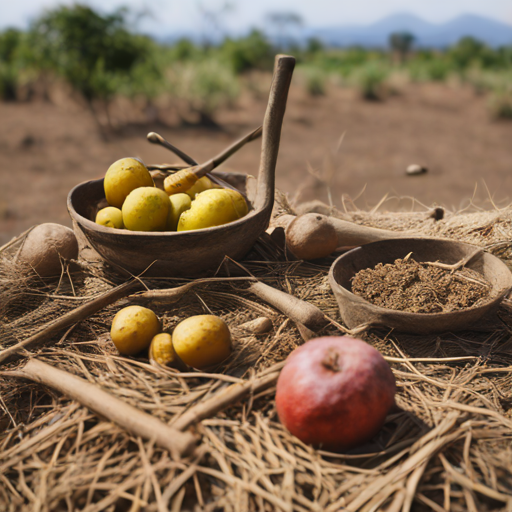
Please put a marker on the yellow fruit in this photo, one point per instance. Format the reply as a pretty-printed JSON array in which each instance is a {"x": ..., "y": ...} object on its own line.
[
  {"x": 133, "y": 328},
  {"x": 146, "y": 209},
  {"x": 161, "y": 351},
  {"x": 124, "y": 176},
  {"x": 200, "y": 185},
  {"x": 110, "y": 217},
  {"x": 213, "y": 208},
  {"x": 202, "y": 341},
  {"x": 179, "y": 203}
]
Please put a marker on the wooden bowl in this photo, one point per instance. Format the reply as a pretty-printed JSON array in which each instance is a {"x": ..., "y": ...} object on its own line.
[
  {"x": 191, "y": 253},
  {"x": 356, "y": 311}
]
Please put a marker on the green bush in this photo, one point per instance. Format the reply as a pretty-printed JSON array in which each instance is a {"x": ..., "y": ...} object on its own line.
[
  {"x": 204, "y": 87},
  {"x": 370, "y": 80},
  {"x": 500, "y": 104},
  {"x": 314, "y": 79}
]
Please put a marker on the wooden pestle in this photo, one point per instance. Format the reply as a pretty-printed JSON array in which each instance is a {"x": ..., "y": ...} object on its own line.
[{"x": 312, "y": 235}]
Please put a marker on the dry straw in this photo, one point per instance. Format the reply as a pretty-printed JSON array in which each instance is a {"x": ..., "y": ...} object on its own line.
[{"x": 446, "y": 446}]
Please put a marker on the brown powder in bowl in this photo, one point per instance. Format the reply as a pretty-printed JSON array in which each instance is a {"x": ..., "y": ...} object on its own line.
[{"x": 407, "y": 285}]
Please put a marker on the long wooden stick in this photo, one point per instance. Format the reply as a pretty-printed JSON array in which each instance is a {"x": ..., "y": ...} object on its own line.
[
  {"x": 126, "y": 416},
  {"x": 74, "y": 316}
]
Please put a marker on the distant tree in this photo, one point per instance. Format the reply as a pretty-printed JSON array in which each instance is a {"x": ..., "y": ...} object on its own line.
[
  {"x": 94, "y": 53},
  {"x": 401, "y": 43},
  {"x": 251, "y": 52},
  {"x": 10, "y": 42},
  {"x": 283, "y": 23},
  {"x": 314, "y": 45},
  {"x": 467, "y": 51}
]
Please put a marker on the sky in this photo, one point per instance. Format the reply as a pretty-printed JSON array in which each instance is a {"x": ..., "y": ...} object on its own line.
[{"x": 165, "y": 17}]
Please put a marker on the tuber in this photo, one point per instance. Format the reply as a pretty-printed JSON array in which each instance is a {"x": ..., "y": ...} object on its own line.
[
  {"x": 312, "y": 235},
  {"x": 46, "y": 245}
]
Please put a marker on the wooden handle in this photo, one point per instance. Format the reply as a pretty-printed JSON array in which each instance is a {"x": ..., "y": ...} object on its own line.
[
  {"x": 295, "y": 309},
  {"x": 94, "y": 398},
  {"x": 272, "y": 123}
]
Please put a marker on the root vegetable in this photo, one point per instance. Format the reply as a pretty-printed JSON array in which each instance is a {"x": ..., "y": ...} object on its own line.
[
  {"x": 124, "y": 176},
  {"x": 133, "y": 328},
  {"x": 313, "y": 235},
  {"x": 335, "y": 392},
  {"x": 259, "y": 325},
  {"x": 202, "y": 341},
  {"x": 46, "y": 245}
]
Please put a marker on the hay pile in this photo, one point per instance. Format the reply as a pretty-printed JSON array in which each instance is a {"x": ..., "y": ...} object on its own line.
[{"x": 447, "y": 446}]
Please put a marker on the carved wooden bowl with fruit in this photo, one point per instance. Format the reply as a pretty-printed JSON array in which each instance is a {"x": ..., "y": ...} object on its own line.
[{"x": 198, "y": 251}]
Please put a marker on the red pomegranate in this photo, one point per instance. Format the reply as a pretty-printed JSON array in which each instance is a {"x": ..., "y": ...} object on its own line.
[{"x": 335, "y": 392}]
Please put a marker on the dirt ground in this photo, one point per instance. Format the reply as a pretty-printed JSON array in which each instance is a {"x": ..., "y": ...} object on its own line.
[{"x": 46, "y": 149}]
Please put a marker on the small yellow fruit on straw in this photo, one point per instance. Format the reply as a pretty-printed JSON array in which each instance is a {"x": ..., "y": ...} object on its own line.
[
  {"x": 110, "y": 217},
  {"x": 213, "y": 208},
  {"x": 146, "y": 209},
  {"x": 133, "y": 328},
  {"x": 202, "y": 341},
  {"x": 124, "y": 176},
  {"x": 179, "y": 203},
  {"x": 161, "y": 351},
  {"x": 201, "y": 185}
]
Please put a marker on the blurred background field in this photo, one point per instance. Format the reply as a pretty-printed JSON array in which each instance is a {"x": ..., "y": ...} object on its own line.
[{"x": 80, "y": 88}]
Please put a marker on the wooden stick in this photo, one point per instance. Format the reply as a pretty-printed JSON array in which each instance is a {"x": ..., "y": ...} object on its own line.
[
  {"x": 124, "y": 415},
  {"x": 225, "y": 398},
  {"x": 77, "y": 315},
  {"x": 184, "y": 179}
]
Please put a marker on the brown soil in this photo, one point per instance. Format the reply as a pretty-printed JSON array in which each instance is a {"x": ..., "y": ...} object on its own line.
[
  {"x": 416, "y": 287},
  {"x": 46, "y": 149}
]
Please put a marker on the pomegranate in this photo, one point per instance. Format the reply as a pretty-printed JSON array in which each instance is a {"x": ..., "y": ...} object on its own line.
[{"x": 335, "y": 392}]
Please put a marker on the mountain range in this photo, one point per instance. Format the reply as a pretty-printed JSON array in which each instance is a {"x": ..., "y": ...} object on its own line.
[{"x": 492, "y": 32}]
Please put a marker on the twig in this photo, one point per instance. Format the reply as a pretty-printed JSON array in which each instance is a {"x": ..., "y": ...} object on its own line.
[
  {"x": 172, "y": 295},
  {"x": 126, "y": 416},
  {"x": 77, "y": 315},
  {"x": 225, "y": 398},
  {"x": 455, "y": 266}
]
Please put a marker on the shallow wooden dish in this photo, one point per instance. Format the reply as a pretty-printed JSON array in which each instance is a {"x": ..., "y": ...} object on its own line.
[
  {"x": 191, "y": 253},
  {"x": 356, "y": 311}
]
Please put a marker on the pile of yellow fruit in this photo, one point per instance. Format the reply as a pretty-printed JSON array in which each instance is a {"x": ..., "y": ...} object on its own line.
[
  {"x": 137, "y": 205},
  {"x": 200, "y": 341}
]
